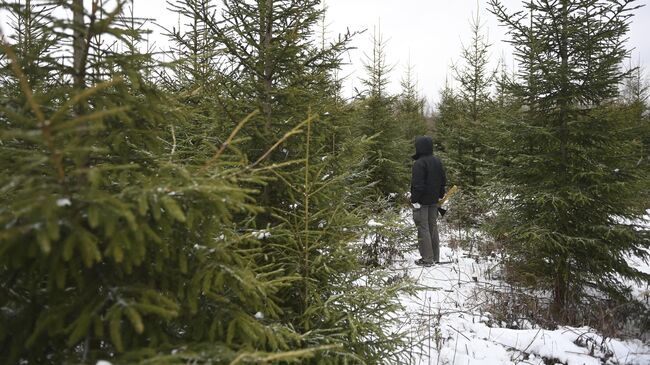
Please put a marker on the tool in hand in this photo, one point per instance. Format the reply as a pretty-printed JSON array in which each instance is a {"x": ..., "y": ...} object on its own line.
[{"x": 448, "y": 195}]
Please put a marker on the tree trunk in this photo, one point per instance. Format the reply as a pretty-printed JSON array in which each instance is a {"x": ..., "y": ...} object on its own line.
[
  {"x": 560, "y": 291},
  {"x": 267, "y": 22},
  {"x": 562, "y": 274},
  {"x": 78, "y": 43},
  {"x": 266, "y": 35}
]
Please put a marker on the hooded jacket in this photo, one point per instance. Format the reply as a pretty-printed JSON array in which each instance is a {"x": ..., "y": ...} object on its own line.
[{"x": 428, "y": 178}]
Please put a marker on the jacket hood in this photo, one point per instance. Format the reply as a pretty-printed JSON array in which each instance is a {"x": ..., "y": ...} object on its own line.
[{"x": 423, "y": 147}]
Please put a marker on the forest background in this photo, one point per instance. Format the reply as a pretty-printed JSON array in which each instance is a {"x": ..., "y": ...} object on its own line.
[{"x": 220, "y": 202}]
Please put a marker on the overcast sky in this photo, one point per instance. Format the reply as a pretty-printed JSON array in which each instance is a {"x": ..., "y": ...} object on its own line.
[{"x": 429, "y": 32}]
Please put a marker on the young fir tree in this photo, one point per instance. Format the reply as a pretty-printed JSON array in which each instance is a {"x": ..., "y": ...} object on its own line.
[
  {"x": 635, "y": 91},
  {"x": 635, "y": 86},
  {"x": 464, "y": 126},
  {"x": 318, "y": 203},
  {"x": 332, "y": 301},
  {"x": 474, "y": 83},
  {"x": 387, "y": 158},
  {"x": 109, "y": 245},
  {"x": 194, "y": 75},
  {"x": 506, "y": 104},
  {"x": 194, "y": 53},
  {"x": 34, "y": 44},
  {"x": 409, "y": 108},
  {"x": 504, "y": 100},
  {"x": 272, "y": 62},
  {"x": 377, "y": 119},
  {"x": 568, "y": 167}
]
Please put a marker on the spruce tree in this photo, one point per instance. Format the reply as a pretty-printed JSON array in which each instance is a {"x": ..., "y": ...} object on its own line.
[
  {"x": 474, "y": 83},
  {"x": 314, "y": 242},
  {"x": 317, "y": 204},
  {"x": 409, "y": 109},
  {"x": 635, "y": 91},
  {"x": 635, "y": 86},
  {"x": 129, "y": 208},
  {"x": 109, "y": 246},
  {"x": 568, "y": 170},
  {"x": 34, "y": 44},
  {"x": 464, "y": 125},
  {"x": 377, "y": 119},
  {"x": 388, "y": 156},
  {"x": 194, "y": 75},
  {"x": 272, "y": 62}
]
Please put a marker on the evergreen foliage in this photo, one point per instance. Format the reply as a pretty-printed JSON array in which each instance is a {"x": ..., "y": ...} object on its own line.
[
  {"x": 410, "y": 107},
  {"x": 387, "y": 121},
  {"x": 130, "y": 211},
  {"x": 108, "y": 244},
  {"x": 465, "y": 124},
  {"x": 635, "y": 86},
  {"x": 568, "y": 168},
  {"x": 272, "y": 61},
  {"x": 462, "y": 132},
  {"x": 635, "y": 91},
  {"x": 386, "y": 155},
  {"x": 226, "y": 205},
  {"x": 330, "y": 302}
]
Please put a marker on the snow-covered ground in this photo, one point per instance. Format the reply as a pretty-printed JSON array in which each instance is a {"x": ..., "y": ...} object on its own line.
[{"x": 448, "y": 323}]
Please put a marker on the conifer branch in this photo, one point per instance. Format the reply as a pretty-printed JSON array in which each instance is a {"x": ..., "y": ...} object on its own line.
[
  {"x": 83, "y": 95},
  {"x": 95, "y": 116},
  {"x": 289, "y": 355},
  {"x": 227, "y": 142},
  {"x": 43, "y": 124},
  {"x": 284, "y": 180},
  {"x": 293, "y": 131},
  {"x": 277, "y": 165}
]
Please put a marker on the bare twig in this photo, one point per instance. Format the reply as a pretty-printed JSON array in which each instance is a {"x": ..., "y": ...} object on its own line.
[{"x": 460, "y": 333}]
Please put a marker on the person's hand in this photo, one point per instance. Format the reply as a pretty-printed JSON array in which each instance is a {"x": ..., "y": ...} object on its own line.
[{"x": 416, "y": 205}]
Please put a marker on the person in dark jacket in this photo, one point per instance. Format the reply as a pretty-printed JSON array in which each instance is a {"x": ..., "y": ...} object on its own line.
[{"x": 428, "y": 182}]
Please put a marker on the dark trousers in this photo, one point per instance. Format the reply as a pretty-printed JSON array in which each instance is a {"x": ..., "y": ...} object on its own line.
[{"x": 428, "y": 240}]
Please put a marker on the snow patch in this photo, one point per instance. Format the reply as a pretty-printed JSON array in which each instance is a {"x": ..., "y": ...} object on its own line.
[
  {"x": 260, "y": 235},
  {"x": 447, "y": 323}
]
